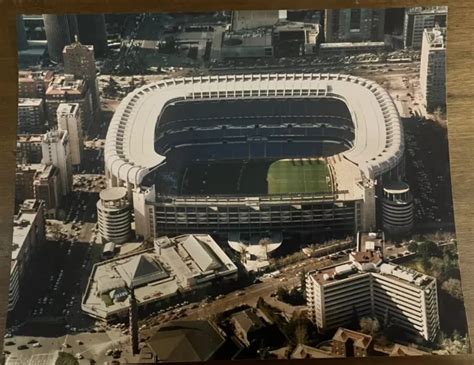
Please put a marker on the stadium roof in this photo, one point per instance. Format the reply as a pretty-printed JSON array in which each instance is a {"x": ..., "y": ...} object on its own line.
[{"x": 378, "y": 145}]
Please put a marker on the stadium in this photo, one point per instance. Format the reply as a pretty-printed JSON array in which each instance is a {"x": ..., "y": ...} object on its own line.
[{"x": 255, "y": 154}]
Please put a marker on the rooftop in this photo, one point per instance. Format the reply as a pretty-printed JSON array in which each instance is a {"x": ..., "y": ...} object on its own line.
[
  {"x": 29, "y": 138},
  {"x": 66, "y": 84},
  {"x": 67, "y": 108},
  {"x": 112, "y": 194},
  {"x": 436, "y": 37},
  {"x": 25, "y": 76},
  {"x": 22, "y": 224},
  {"x": 360, "y": 339},
  {"x": 26, "y": 102},
  {"x": 177, "y": 264},
  {"x": 248, "y": 320},
  {"x": 186, "y": 341},
  {"x": 363, "y": 263},
  {"x": 428, "y": 10}
]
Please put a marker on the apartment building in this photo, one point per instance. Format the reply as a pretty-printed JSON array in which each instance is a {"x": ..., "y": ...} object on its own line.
[
  {"x": 31, "y": 115},
  {"x": 365, "y": 285},
  {"x": 418, "y": 19}
]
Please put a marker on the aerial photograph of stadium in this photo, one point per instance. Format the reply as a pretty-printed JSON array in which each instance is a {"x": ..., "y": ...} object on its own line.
[{"x": 229, "y": 185}]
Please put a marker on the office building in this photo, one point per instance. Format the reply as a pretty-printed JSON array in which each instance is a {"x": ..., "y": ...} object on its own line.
[
  {"x": 60, "y": 30},
  {"x": 113, "y": 215},
  {"x": 47, "y": 187},
  {"x": 21, "y": 40},
  {"x": 69, "y": 119},
  {"x": 24, "y": 177},
  {"x": 28, "y": 233},
  {"x": 252, "y": 19},
  {"x": 28, "y": 149},
  {"x": 418, "y": 19},
  {"x": 397, "y": 208},
  {"x": 56, "y": 151},
  {"x": 31, "y": 115},
  {"x": 366, "y": 286},
  {"x": 354, "y": 25},
  {"x": 69, "y": 89},
  {"x": 175, "y": 266},
  {"x": 433, "y": 68},
  {"x": 79, "y": 61},
  {"x": 92, "y": 31},
  {"x": 33, "y": 84}
]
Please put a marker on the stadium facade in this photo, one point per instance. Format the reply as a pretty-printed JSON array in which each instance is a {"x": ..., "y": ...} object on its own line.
[{"x": 162, "y": 131}]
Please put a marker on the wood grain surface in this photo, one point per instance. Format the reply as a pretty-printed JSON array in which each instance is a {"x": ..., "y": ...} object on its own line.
[{"x": 460, "y": 90}]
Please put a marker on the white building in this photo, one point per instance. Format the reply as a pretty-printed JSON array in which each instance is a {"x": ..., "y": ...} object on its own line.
[
  {"x": 433, "y": 68},
  {"x": 56, "y": 151},
  {"x": 113, "y": 215},
  {"x": 420, "y": 18},
  {"x": 28, "y": 232},
  {"x": 367, "y": 286},
  {"x": 251, "y": 19},
  {"x": 69, "y": 119},
  {"x": 174, "y": 266}
]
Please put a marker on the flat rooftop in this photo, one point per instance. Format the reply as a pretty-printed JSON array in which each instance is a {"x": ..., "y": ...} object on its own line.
[
  {"x": 30, "y": 102},
  {"x": 363, "y": 263},
  {"x": 22, "y": 225}
]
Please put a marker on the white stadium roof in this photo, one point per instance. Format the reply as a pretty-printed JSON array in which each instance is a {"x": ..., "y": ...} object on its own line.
[{"x": 378, "y": 145}]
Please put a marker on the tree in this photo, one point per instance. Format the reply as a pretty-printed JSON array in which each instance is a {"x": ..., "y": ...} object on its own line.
[
  {"x": 453, "y": 288},
  {"x": 456, "y": 344},
  {"x": 281, "y": 294},
  {"x": 413, "y": 247},
  {"x": 427, "y": 250},
  {"x": 303, "y": 281},
  {"x": 369, "y": 325}
]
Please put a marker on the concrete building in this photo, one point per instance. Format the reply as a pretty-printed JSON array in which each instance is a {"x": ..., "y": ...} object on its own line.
[
  {"x": 174, "y": 266},
  {"x": 256, "y": 43},
  {"x": 57, "y": 152},
  {"x": 60, "y": 30},
  {"x": 28, "y": 232},
  {"x": 433, "y": 68},
  {"x": 31, "y": 115},
  {"x": 366, "y": 286},
  {"x": 92, "y": 31},
  {"x": 69, "y": 89},
  {"x": 24, "y": 177},
  {"x": 79, "y": 61},
  {"x": 33, "y": 84},
  {"x": 354, "y": 25},
  {"x": 348, "y": 343},
  {"x": 397, "y": 211},
  {"x": 113, "y": 215},
  {"x": 28, "y": 149},
  {"x": 251, "y": 19},
  {"x": 70, "y": 120},
  {"x": 348, "y": 48},
  {"x": 248, "y": 325},
  {"x": 47, "y": 187},
  {"x": 21, "y": 40},
  {"x": 418, "y": 19}
]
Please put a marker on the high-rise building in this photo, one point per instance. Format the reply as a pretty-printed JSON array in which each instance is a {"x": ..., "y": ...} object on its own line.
[
  {"x": 69, "y": 119},
  {"x": 31, "y": 115},
  {"x": 58, "y": 30},
  {"x": 366, "y": 286},
  {"x": 47, "y": 187},
  {"x": 28, "y": 232},
  {"x": 92, "y": 31},
  {"x": 68, "y": 89},
  {"x": 24, "y": 177},
  {"x": 397, "y": 208},
  {"x": 420, "y": 18},
  {"x": 251, "y": 19},
  {"x": 56, "y": 151},
  {"x": 21, "y": 40},
  {"x": 28, "y": 148},
  {"x": 433, "y": 68},
  {"x": 354, "y": 25},
  {"x": 33, "y": 84},
  {"x": 79, "y": 61}
]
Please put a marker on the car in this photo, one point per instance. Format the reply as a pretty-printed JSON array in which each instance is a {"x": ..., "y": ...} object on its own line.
[
  {"x": 240, "y": 293},
  {"x": 22, "y": 347},
  {"x": 31, "y": 341},
  {"x": 78, "y": 356},
  {"x": 9, "y": 343},
  {"x": 8, "y": 335},
  {"x": 37, "y": 345},
  {"x": 108, "y": 352}
]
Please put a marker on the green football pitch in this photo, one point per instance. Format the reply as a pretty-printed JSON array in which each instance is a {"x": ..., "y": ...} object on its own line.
[{"x": 299, "y": 176}]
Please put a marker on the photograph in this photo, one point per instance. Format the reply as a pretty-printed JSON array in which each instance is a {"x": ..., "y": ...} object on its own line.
[{"x": 233, "y": 185}]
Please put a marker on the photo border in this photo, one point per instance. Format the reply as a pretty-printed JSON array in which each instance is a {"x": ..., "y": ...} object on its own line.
[{"x": 460, "y": 110}]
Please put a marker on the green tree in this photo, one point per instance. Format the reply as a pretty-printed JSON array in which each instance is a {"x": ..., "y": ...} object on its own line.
[
  {"x": 303, "y": 281},
  {"x": 281, "y": 294},
  {"x": 453, "y": 288},
  {"x": 413, "y": 247},
  {"x": 427, "y": 250},
  {"x": 369, "y": 325}
]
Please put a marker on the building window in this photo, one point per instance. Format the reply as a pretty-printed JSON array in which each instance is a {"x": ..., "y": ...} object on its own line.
[{"x": 355, "y": 20}]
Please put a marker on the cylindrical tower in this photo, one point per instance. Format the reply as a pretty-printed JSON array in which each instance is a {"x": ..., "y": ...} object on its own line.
[
  {"x": 92, "y": 32},
  {"x": 57, "y": 35},
  {"x": 21, "y": 40},
  {"x": 113, "y": 215},
  {"x": 397, "y": 208}
]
